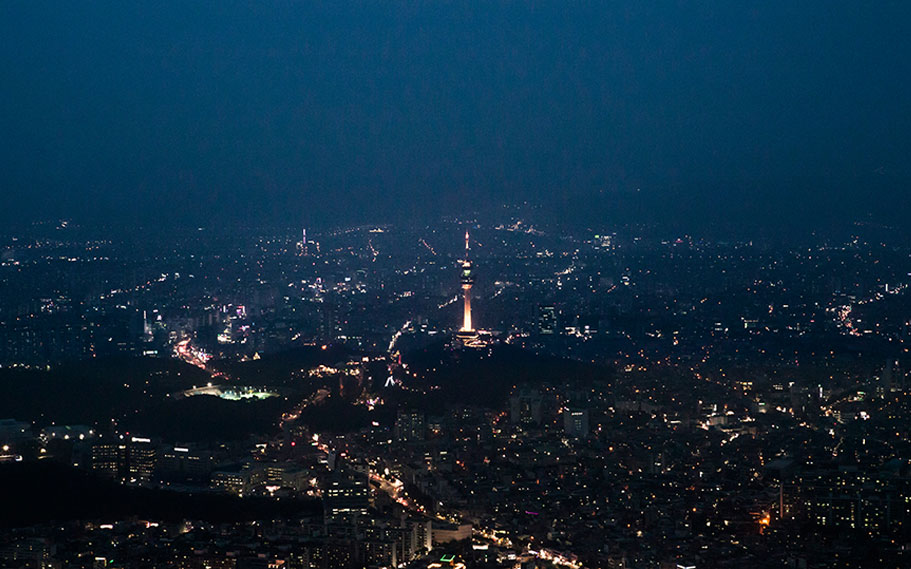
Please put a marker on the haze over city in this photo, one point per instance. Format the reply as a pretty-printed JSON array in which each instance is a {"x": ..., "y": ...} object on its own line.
[{"x": 297, "y": 113}]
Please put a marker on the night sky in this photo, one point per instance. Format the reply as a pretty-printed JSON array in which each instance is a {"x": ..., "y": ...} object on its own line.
[{"x": 319, "y": 112}]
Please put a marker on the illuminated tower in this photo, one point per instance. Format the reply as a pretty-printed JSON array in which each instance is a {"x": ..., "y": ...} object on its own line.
[
  {"x": 147, "y": 334},
  {"x": 466, "y": 332},
  {"x": 302, "y": 246}
]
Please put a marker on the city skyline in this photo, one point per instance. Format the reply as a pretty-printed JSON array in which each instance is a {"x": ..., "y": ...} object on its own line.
[
  {"x": 455, "y": 285},
  {"x": 753, "y": 391}
]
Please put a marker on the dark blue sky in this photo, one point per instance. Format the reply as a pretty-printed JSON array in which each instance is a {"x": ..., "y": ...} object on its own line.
[{"x": 307, "y": 112}]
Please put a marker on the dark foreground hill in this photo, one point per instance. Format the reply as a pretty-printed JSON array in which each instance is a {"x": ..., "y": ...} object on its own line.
[
  {"x": 280, "y": 369},
  {"x": 93, "y": 390},
  {"x": 206, "y": 418},
  {"x": 44, "y": 492},
  {"x": 135, "y": 393},
  {"x": 485, "y": 377}
]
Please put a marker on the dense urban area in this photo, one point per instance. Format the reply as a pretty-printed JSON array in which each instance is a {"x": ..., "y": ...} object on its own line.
[{"x": 474, "y": 393}]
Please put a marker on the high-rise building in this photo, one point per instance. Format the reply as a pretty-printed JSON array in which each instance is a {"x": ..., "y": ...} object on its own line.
[
  {"x": 131, "y": 461},
  {"x": 147, "y": 334},
  {"x": 28, "y": 552},
  {"x": 346, "y": 498},
  {"x": 547, "y": 319},
  {"x": 575, "y": 422},
  {"x": 184, "y": 462},
  {"x": 525, "y": 408},
  {"x": 302, "y": 248},
  {"x": 107, "y": 458},
  {"x": 423, "y": 533},
  {"x": 141, "y": 459},
  {"x": 409, "y": 426},
  {"x": 234, "y": 481}
]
